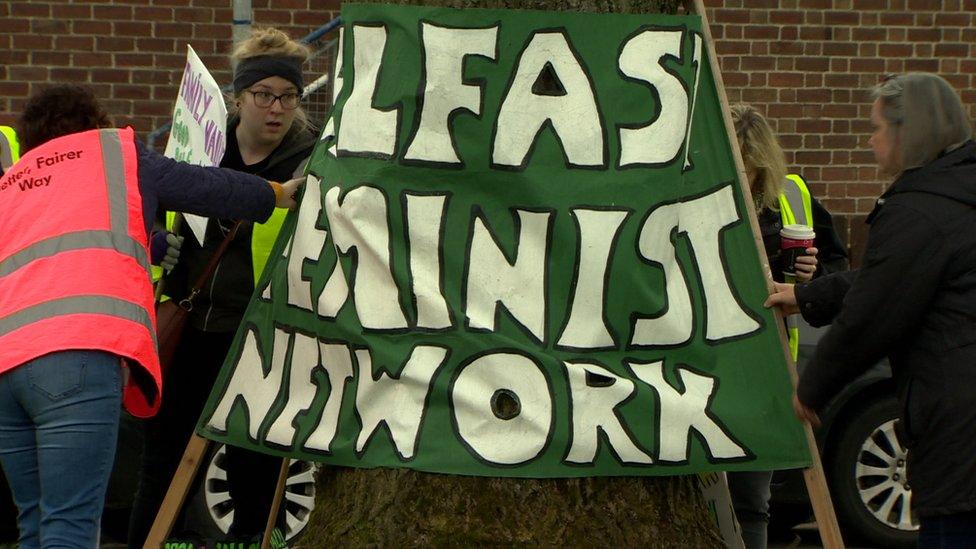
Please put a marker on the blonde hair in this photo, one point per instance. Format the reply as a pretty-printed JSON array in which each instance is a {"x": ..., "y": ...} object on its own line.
[
  {"x": 927, "y": 115},
  {"x": 273, "y": 42},
  {"x": 760, "y": 151}
]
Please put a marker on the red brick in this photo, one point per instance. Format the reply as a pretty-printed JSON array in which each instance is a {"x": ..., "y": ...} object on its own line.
[
  {"x": 952, "y": 50},
  {"x": 32, "y": 42},
  {"x": 113, "y": 13},
  {"x": 890, "y": 19},
  {"x": 920, "y": 5},
  {"x": 869, "y": 35},
  {"x": 847, "y": 49},
  {"x": 70, "y": 75},
  {"x": 953, "y": 19},
  {"x": 129, "y": 28},
  {"x": 924, "y": 35},
  {"x": 85, "y": 26},
  {"x": 74, "y": 43},
  {"x": 74, "y": 11},
  {"x": 194, "y": 15},
  {"x": 30, "y": 9},
  {"x": 153, "y": 13},
  {"x": 895, "y": 50},
  {"x": 111, "y": 43},
  {"x": 783, "y": 17},
  {"x": 842, "y": 18},
  {"x": 922, "y": 65},
  {"x": 10, "y": 25}
]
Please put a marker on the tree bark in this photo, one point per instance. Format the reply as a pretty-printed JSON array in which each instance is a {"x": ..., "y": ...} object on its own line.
[{"x": 402, "y": 507}]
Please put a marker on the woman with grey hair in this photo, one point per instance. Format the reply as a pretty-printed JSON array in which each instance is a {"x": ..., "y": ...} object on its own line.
[{"x": 913, "y": 299}]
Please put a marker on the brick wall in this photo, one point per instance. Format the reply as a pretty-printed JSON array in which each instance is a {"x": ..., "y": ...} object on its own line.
[
  {"x": 131, "y": 52},
  {"x": 805, "y": 63},
  {"x": 808, "y": 63}
]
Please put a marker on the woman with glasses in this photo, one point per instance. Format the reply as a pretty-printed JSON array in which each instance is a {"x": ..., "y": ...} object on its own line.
[
  {"x": 267, "y": 135},
  {"x": 913, "y": 299}
]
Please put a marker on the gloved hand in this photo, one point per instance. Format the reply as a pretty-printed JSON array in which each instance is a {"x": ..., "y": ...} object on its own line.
[{"x": 172, "y": 257}]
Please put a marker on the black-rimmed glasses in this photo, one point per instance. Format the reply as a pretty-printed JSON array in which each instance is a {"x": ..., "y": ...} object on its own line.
[{"x": 265, "y": 99}]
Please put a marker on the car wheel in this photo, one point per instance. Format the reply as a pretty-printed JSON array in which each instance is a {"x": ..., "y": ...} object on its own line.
[
  {"x": 868, "y": 477},
  {"x": 211, "y": 509}
]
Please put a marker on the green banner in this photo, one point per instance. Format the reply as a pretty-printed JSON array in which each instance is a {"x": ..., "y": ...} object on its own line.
[{"x": 521, "y": 252}]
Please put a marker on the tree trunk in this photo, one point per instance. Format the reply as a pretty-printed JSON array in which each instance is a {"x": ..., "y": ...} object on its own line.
[{"x": 357, "y": 507}]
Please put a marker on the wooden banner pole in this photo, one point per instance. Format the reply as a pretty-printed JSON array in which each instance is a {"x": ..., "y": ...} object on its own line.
[
  {"x": 196, "y": 449},
  {"x": 814, "y": 477},
  {"x": 279, "y": 496}
]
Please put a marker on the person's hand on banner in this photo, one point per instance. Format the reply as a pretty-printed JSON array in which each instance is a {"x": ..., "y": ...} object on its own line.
[
  {"x": 172, "y": 257},
  {"x": 806, "y": 265},
  {"x": 784, "y": 297},
  {"x": 285, "y": 192},
  {"x": 804, "y": 412}
]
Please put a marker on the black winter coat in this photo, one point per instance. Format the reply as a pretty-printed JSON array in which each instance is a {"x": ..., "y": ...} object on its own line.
[
  {"x": 914, "y": 300},
  {"x": 220, "y": 307}
]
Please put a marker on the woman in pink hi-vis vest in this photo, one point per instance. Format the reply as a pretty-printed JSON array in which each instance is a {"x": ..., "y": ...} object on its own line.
[{"x": 76, "y": 313}]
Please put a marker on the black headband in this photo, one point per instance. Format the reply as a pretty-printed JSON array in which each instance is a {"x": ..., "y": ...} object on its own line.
[{"x": 255, "y": 69}]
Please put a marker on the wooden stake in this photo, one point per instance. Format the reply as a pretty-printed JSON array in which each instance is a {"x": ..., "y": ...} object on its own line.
[
  {"x": 276, "y": 504},
  {"x": 196, "y": 449},
  {"x": 816, "y": 482}
]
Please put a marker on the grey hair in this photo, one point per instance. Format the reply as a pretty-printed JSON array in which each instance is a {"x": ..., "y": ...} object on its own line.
[{"x": 927, "y": 115}]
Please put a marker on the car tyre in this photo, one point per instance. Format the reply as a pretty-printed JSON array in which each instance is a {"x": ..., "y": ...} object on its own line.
[
  {"x": 868, "y": 480},
  {"x": 210, "y": 510}
]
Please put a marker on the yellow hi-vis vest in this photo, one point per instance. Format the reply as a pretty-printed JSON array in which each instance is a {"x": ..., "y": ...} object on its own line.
[
  {"x": 795, "y": 208},
  {"x": 263, "y": 236},
  {"x": 9, "y": 148}
]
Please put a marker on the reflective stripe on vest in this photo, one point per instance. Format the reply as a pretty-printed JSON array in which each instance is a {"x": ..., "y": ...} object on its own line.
[
  {"x": 74, "y": 270},
  {"x": 796, "y": 208},
  {"x": 263, "y": 237},
  {"x": 9, "y": 148}
]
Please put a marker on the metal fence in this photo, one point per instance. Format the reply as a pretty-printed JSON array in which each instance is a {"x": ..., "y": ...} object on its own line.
[{"x": 317, "y": 97}]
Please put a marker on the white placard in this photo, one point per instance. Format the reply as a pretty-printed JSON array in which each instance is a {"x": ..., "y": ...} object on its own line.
[{"x": 198, "y": 135}]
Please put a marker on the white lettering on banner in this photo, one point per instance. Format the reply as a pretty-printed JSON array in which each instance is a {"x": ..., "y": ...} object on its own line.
[
  {"x": 587, "y": 326},
  {"x": 306, "y": 245},
  {"x": 503, "y": 408},
  {"x": 502, "y": 405},
  {"x": 360, "y": 223},
  {"x": 702, "y": 219},
  {"x": 518, "y": 285},
  {"x": 301, "y": 390},
  {"x": 251, "y": 386},
  {"x": 374, "y": 131},
  {"x": 596, "y": 394},
  {"x": 658, "y": 142},
  {"x": 425, "y": 226},
  {"x": 337, "y": 361},
  {"x": 550, "y": 87},
  {"x": 445, "y": 92},
  {"x": 570, "y": 108},
  {"x": 399, "y": 402},
  {"x": 682, "y": 412}
]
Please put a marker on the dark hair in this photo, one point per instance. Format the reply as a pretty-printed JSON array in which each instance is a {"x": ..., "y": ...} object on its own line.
[{"x": 57, "y": 111}]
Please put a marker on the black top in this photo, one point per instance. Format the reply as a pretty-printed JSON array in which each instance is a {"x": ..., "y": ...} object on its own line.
[
  {"x": 914, "y": 300},
  {"x": 831, "y": 255},
  {"x": 220, "y": 306}
]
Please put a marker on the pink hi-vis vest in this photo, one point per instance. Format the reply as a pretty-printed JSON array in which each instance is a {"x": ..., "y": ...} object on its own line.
[{"x": 74, "y": 259}]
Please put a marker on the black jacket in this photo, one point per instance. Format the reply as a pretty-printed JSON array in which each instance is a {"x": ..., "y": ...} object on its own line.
[
  {"x": 220, "y": 307},
  {"x": 914, "y": 300},
  {"x": 831, "y": 256}
]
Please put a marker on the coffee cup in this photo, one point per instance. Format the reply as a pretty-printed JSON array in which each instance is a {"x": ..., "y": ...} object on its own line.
[{"x": 793, "y": 242}]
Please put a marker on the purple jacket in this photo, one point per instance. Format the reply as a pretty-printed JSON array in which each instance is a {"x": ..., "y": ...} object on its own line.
[{"x": 211, "y": 192}]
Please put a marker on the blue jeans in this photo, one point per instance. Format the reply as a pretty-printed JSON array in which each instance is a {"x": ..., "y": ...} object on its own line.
[
  {"x": 956, "y": 531},
  {"x": 59, "y": 420}
]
